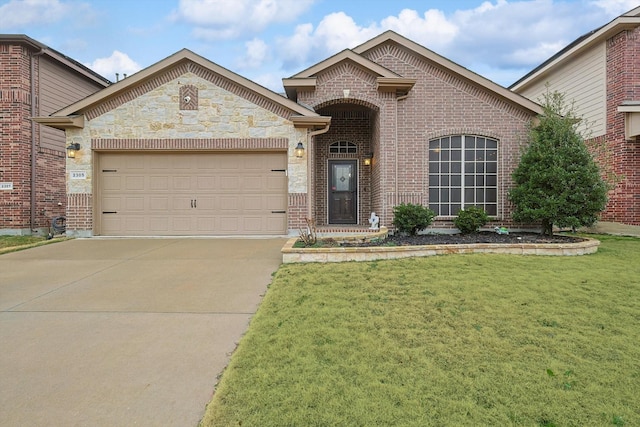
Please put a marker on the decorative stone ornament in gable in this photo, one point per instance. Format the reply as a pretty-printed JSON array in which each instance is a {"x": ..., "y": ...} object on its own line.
[{"x": 188, "y": 97}]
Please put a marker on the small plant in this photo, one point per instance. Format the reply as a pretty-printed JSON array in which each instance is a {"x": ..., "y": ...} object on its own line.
[
  {"x": 470, "y": 219},
  {"x": 410, "y": 218},
  {"x": 308, "y": 234}
]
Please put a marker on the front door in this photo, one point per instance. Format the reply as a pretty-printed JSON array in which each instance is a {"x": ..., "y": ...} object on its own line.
[{"x": 343, "y": 196}]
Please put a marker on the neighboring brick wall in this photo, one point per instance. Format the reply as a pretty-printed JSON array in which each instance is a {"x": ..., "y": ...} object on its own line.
[
  {"x": 439, "y": 104},
  {"x": 15, "y": 131},
  {"x": 622, "y": 157},
  {"x": 16, "y": 143}
]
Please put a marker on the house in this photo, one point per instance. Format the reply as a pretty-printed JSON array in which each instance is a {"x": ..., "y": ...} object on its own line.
[
  {"x": 186, "y": 147},
  {"x": 36, "y": 80},
  {"x": 600, "y": 73}
]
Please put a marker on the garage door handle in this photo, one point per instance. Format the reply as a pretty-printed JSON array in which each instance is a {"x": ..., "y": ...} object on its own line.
[
  {"x": 278, "y": 211},
  {"x": 195, "y": 203},
  {"x": 109, "y": 212}
]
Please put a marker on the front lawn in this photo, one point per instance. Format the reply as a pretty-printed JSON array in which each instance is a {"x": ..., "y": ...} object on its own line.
[{"x": 449, "y": 340}]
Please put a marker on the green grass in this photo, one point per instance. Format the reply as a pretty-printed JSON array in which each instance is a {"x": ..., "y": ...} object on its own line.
[
  {"x": 452, "y": 340},
  {"x": 16, "y": 243}
]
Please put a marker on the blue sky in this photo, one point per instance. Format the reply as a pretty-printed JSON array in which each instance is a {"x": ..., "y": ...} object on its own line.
[{"x": 267, "y": 40}]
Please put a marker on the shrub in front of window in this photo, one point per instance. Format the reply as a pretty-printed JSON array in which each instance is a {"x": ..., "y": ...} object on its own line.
[
  {"x": 410, "y": 218},
  {"x": 470, "y": 219}
]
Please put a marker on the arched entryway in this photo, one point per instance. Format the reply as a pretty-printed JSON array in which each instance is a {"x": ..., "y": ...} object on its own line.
[{"x": 345, "y": 185}]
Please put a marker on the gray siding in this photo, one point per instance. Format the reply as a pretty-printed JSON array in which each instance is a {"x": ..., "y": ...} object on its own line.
[
  {"x": 584, "y": 81},
  {"x": 59, "y": 88}
]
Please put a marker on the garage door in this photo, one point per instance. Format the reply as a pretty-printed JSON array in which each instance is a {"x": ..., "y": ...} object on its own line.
[{"x": 161, "y": 194}]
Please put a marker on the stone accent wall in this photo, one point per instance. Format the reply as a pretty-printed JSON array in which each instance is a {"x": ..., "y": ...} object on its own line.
[
  {"x": 440, "y": 103},
  {"x": 622, "y": 157},
  {"x": 150, "y": 117}
]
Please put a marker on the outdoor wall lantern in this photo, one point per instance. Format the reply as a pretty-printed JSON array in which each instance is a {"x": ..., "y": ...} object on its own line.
[
  {"x": 367, "y": 160},
  {"x": 299, "y": 150},
  {"x": 71, "y": 150}
]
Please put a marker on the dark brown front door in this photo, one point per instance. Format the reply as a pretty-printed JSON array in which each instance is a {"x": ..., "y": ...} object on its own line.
[{"x": 343, "y": 196}]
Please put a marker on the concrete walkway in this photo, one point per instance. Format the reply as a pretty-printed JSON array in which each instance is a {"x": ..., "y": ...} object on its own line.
[{"x": 124, "y": 332}]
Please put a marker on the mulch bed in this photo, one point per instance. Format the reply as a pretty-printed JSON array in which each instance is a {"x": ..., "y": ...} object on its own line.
[{"x": 453, "y": 239}]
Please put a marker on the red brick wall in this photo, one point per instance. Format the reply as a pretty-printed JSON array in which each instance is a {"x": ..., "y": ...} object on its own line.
[
  {"x": 15, "y": 131},
  {"x": 623, "y": 157},
  {"x": 439, "y": 104},
  {"x": 15, "y": 149}
]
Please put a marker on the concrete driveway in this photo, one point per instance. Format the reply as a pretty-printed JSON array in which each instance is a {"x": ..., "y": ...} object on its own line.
[{"x": 122, "y": 332}]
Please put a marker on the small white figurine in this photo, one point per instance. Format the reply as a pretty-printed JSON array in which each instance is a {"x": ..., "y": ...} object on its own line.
[{"x": 374, "y": 220}]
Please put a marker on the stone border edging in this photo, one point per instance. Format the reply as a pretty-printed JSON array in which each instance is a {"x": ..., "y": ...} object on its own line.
[{"x": 372, "y": 253}]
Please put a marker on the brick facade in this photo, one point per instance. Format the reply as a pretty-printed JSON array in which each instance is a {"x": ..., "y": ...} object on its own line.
[
  {"x": 623, "y": 156},
  {"x": 20, "y": 97},
  {"x": 397, "y": 129}
]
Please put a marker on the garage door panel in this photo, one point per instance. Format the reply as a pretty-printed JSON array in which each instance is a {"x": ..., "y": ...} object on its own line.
[
  {"x": 159, "y": 203},
  {"x": 159, "y": 183},
  {"x": 134, "y": 204},
  {"x": 112, "y": 183},
  {"x": 192, "y": 194}
]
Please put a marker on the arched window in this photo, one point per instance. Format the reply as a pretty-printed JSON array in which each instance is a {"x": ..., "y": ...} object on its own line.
[
  {"x": 463, "y": 171},
  {"x": 343, "y": 147}
]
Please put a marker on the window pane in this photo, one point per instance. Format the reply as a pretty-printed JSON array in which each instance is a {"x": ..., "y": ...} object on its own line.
[
  {"x": 434, "y": 207},
  {"x": 492, "y": 143},
  {"x": 444, "y": 143},
  {"x": 455, "y": 209},
  {"x": 456, "y": 142},
  {"x": 468, "y": 196},
  {"x": 433, "y": 195},
  {"x": 469, "y": 167},
  {"x": 469, "y": 142},
  {"x": 444, "y": 168},
  {"x": 456, "y": 195},
  {"x": 479, "y": 167},
  {"x": 434, "y": 167},
  {"x": 492, "y": 195},
  {"x": 456, "y": 167},
  {"x": 469, "y": 180},
  {"x": 434, "y": 143},
  {"x": 492, "y": 210},
  {"x": 492, "y": 167},
  {"x": 469, "y": 155},
  {"x": 456, "y": 180},
  {"x": 444, "y": 180},
  {"x": 479, "y": 195},
  {"x": 444, "y": 155},
  {"x": 479, "y": 156},
  {"x": 480, "y": 143},
  {"x": 444, "y": 210},
  {"x": 434, "y": 180},
  {"x": 480, "y": 181},
  {"x": 492, "y": 180},
  {"x": 444, "y": 195},
  {"x": 456, "y": 155}
]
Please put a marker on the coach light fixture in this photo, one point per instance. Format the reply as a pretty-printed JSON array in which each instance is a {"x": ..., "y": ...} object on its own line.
[
  {"x": 299, "y": 150},
  {"x": 367, "y": 160},
  {"x": 71, "y": 150}
]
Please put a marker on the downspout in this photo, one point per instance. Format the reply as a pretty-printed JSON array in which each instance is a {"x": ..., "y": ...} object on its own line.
[
  {"x": 32, "y": 223},
  {"x": 398, "y": 99},
  {"x": 311, "y": 177}
]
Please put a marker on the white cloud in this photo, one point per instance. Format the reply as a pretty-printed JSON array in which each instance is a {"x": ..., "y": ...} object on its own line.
[
  {"x": 615, "y": 8},
  {"x": 17, "y": 13},
  {"x": 432, "y": 30},
  {"x": 118, "y": 62},
  {"x": 257, "y": 53},
  {"x": 223, "y": 19}
]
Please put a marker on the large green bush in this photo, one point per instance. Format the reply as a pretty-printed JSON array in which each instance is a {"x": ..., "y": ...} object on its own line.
[
  {"x": 470, "y": 219},
  {"x": 410, "y": 218},
  {"x": 557, "y": 181}
]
